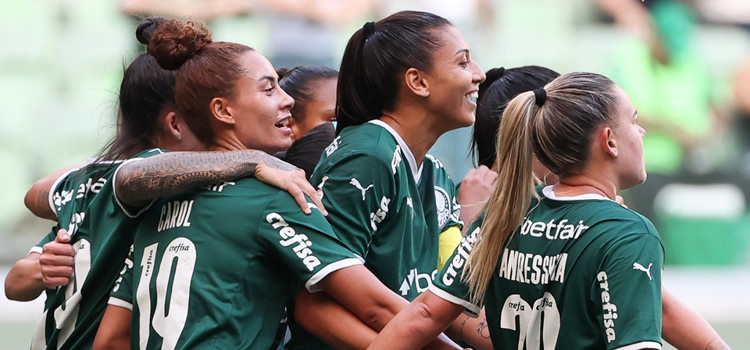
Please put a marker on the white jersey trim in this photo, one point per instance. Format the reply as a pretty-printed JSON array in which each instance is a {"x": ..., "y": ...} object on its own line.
[
  {"x": 549, "y": 193},
  {"x": 117, "y": 198},
  {"x": 121, "y": 303},
  {"x": 312, "y": 283},
  {"x": 641, "y": 345},
  {"x": 469, "y": 308},
  {"x": 53, "y": 189},
  {"x": 35, "y": 249},
  {"x": 416, "y": 173}
]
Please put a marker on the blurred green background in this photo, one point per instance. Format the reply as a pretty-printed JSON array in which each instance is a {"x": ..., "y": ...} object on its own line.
[{"x": 61, "y": 62}]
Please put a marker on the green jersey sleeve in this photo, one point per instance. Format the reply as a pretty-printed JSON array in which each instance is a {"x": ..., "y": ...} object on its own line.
[
  {"x": 448, "y": 284},
  {"x": 122, "y": 292},
  {"x": 628, "y": 288},
  {"x": 305, "y": 243},
  {"x": 357, "y": 191}
]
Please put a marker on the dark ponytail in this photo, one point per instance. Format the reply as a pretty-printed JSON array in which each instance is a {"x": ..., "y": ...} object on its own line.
[
  {"x": 370, "y": 69},
  {"x": 501, "y": 86},
  {"x": 146, "y": 89}
]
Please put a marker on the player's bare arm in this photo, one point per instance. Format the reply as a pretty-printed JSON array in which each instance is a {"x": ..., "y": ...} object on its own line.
[
  {"x": 684, "y": 328},
  {"x": 138, "y": 182},
  {"x": 53, "y": 267},
  {"x": 114, "y": 330},
  {"x": 37, "y": 197}
]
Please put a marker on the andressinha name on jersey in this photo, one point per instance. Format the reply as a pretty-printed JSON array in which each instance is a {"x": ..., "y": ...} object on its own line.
[{"x": 290, "y": 237}]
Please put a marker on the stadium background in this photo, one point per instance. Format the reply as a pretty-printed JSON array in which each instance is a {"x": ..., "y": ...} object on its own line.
[{"x": 61, "y": 62}]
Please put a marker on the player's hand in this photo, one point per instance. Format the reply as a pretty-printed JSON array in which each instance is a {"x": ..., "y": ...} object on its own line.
[
  {"x": 56, "y": 261},
  {"x": 291, "y": 179},
  {"x": 477, "y": 186}
]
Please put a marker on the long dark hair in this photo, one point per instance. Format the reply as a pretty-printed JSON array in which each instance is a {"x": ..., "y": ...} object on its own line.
[
  {"x": 374, "y": 59},
  {"x": 297, "y": 82},
  {"x": 145, "y": 91},
  {"x": 501, "y": 86}
]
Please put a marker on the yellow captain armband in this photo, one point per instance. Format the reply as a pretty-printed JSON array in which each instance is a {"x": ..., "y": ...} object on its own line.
[{"x": 449, "y": 240}]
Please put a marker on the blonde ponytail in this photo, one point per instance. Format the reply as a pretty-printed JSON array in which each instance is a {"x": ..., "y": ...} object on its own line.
[{"x": 505, "y": 209}]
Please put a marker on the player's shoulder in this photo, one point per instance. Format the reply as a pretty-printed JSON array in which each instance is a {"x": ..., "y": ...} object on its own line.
[{"x": 367, "y": 142}]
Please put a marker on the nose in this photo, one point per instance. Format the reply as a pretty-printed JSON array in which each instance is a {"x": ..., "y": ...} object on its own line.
[
  {"x": 478, "y": 75},
  {"x": 286, "y": 102},
  {"x": 642, "y": 130}
]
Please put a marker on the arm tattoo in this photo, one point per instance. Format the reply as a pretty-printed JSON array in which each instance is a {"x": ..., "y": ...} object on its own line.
[
  {"x": 176, "y": 172},
  {"x": 483, "y": 330},
  {"x": 463, "y": 324}
]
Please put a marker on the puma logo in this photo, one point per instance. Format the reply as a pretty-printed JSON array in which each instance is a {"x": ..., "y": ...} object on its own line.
[
  {"x": 637, "y": 266},
  {"x": 356, "y": 184}
]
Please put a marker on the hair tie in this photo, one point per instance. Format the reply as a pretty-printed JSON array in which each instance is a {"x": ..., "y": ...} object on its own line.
[
  {"x": 368, "y": 29},
  {"x": 540, "y": 95}
]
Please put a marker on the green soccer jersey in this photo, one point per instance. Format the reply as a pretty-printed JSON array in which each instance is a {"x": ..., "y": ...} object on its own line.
[
  {"x": 213, "y": 268},
  {"x": 580, "y": 273},
  {"x": 86, "y": 206},
  {"x": 444, "y": 202},
  {"x": 384, "y": 208}
]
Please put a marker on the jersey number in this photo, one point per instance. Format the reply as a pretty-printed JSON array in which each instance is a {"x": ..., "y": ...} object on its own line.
[
  {"x": 66, "y": 315},
  {"x": 172, "y": 290},
  {"x": 539, "y": 322}
]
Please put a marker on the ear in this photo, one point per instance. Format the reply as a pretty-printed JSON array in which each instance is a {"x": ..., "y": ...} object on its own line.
[
  {"x": 416, "y": 82},
  {"x": 221, "y": 110},
  {"x": 173, "y": 126},
  {"x": 608, "y": 142}
]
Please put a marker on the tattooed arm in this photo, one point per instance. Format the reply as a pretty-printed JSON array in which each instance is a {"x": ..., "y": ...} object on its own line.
[{"x": 137, "y": 183}]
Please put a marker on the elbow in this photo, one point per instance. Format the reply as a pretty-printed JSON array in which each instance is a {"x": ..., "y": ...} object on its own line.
[
  {"x": 18, "y": 294},
  {"x": 376, "y": 316}
]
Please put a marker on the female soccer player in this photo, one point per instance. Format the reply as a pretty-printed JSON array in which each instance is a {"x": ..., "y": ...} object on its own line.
[
  {"x": 313, "y": 89},
  {"x": 681, "y": 326},
  {"x": 212, "y": 268},
  {"x": 560, "y": 266},
  {"x": 96, "y": 233},
  {"x": 404, "y": 81}
]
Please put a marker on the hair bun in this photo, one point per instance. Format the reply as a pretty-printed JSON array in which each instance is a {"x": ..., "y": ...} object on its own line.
[
  {"x": 283, "y": 72},
  {"x": 174, "y": 42},
  {"x": 146, "y": 29}
]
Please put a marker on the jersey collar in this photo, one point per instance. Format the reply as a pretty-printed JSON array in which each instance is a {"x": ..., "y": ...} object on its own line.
[
  {"x": 549, "y": 193},
  {"x": 416, "y": 172}
]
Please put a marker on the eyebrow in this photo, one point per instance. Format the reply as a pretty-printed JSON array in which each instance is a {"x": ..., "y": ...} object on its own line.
[
  {"x": 267, "y": 77},
  {"x": 466, "y": 51}
]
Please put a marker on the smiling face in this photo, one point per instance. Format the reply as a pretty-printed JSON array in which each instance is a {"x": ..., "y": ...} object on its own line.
[
  {"x": 453, "y": 80},
  {"x": 260, "y": 109},
  {"x": 321, "y": 108},
  {"x": 629, "y": 136}
]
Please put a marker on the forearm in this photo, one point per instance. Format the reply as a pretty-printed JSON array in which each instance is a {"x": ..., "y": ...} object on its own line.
[
  {"x": 419, "y": 323},
  {"x": 24, "y": 280},
  {"x": 331, "y": 322},
  {"x": 357, "y": 290},
  {"x": 114, "y": 329},
  {"x": 471, "y": 330},
  {"x": 171, "y": 173},
  {"x": 686, "y": 329}
]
